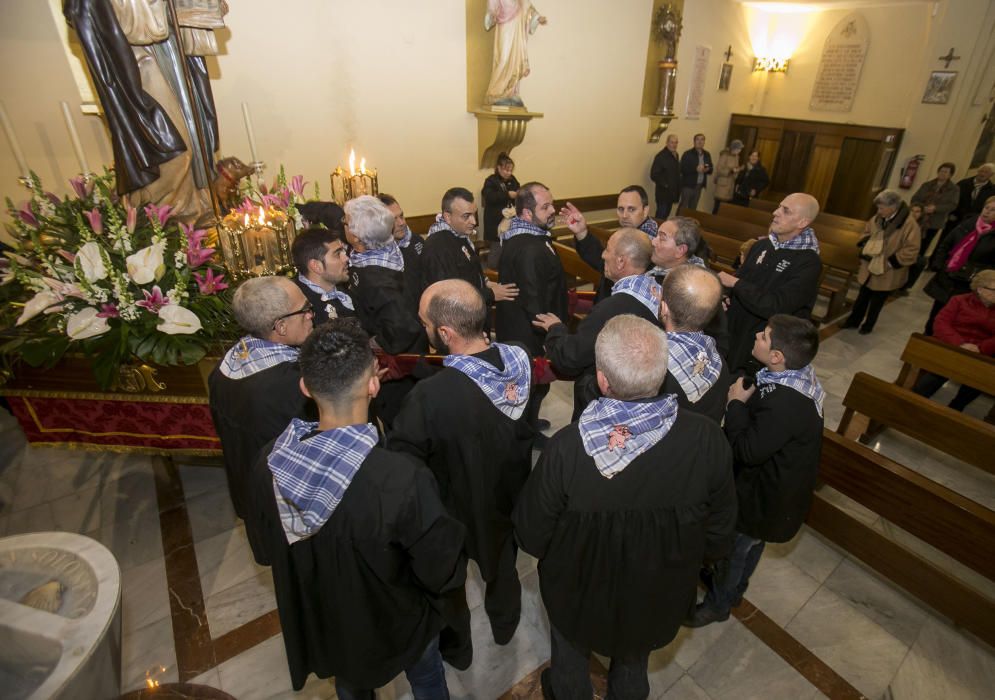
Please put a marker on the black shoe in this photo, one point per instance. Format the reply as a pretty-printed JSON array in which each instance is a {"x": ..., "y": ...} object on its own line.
[
  {"x": 460, "y": 659},
  {"x": 546, "y": 685},
  {"x": 705, "y": 615},
  {"x": 543, "y": 424},
  {"x": 503, "y": 633},
  {"x": 850, "y": 324},
  {"x": 864, "y": 330}
]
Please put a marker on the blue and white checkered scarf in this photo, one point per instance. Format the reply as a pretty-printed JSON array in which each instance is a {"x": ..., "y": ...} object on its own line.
[
  {"x": 342, "y": 297},
  {"x": 507, "y": 389},
  {"x": 441, "y": 225},
  {"x": 311, "y": 476},
  {"x": 520, "y": 226},
  {"x": 642, "y": 288},
  {"x": 662, "y": 272},
  {"x": 252, "y": 355},
  {"x": 406, "y": 239},
  {"x": 616, "y": 432},
  {"x": 805, "y": 240},
  {"x": 649, "y": 227},
  {"x": 802, "y": 380},
  {"x": 694, "y": 362},
  {"x": 389, "y": 256}
]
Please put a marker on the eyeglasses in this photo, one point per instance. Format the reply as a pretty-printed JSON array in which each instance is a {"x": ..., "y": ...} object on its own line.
[{"x": 306, "y": 309}]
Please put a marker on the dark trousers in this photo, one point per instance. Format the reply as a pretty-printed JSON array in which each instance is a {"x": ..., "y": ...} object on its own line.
[
  {"x": 570, "y": 678},
  {"x": 426, "y": 676},
  {"x": 663, "y": 208},
  {"x": 933, "y": 313},
  {"x": 866, "y": 308},
  {"x": 732, "y": 575},
  {"x": 690, "y": 196},
  {"x": 929, "y": 383},
  {"x": 539, "y": 392}
]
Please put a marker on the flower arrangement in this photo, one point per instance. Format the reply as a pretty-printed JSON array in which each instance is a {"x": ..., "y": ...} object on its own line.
[{"x": 91, "y": 273}]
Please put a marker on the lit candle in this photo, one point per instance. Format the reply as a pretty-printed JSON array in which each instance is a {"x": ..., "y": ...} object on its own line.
[
  {"x": 352, "y": 162},
  {"x": 22, "y": 165},
  {"x": 74, "y": 137},
  {"x": 248, "y": 132}
]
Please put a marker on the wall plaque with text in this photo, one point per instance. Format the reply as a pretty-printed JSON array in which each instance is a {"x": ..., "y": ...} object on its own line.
[{"x": 839, "y": 70}]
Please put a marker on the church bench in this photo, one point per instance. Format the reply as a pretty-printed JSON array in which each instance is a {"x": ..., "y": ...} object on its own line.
[
  {"x": 955, "y": 525},
  {"x": 834, "y": 220},
  {"x": 890, "y": 406},
  {"x": 574, "y": 266},
  {"x": 824, "y": 230}
]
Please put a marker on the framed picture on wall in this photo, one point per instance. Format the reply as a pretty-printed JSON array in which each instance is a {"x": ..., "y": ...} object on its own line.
[
  {"x": 939, "y": 87},
  {"x": 725, "y": 76}
]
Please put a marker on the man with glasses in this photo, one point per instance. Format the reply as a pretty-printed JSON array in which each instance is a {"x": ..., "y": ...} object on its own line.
[{"x": 254, "y": 390}]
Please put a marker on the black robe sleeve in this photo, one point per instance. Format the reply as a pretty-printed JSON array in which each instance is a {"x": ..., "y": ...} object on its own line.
[
  {"x": 432, "y": 538},
  {"x": 542, "y": 501},
  {"x": 798, "y": 288},
  {"x": 589, "y": 249}
]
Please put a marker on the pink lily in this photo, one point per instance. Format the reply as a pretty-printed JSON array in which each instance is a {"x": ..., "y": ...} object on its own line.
[
  {"x": 153, "y": 301},
  {"x": 198, "y": 256},
  {"x": 247, "y": 207},
  {"x": 131, "y": 219},
  {"x": 297, "y": 185},
  {"x": 28, "y": 216},
  {"x": 53, "y": 199},
  {"x": 160, "y": 214},
  {"x": 66, "y": 255},
  {"x": 108, "y": 311},
  {"x": 285, "y": 198},
  {"x": 209, "y": 283},
  {"x": 82, "y": 186},
  {"x": 96, "y": 221},
  {"x": 270, "y": 200},
  {"x": 63, "y": 289}
]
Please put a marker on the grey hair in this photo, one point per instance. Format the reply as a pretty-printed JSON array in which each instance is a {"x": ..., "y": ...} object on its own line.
[
  {"x": 635, "y": 246},
  {"x": 688, "y": 233},
  {"x": 370, "y": 221},
  {"x": 990, "y": 166},
  {"x": 735, "y": 144},
  {"x": 888, "y": 198},
  {"x": 632, "y": 354},
  {"x": 259, "y": 302}
]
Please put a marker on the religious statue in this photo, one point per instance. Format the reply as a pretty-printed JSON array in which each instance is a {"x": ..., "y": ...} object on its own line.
[
  {"x": 140, "y": 69},
  {"x": 667, "y": 27},
  {"x": 514, "y": 21}
]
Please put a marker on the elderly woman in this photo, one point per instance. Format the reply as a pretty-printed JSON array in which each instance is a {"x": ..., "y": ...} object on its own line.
[
  {"x": 968, "y": 249},
  {"x": 938, "y": 198},
  {"x": 967, "y": 321},
  {"x": 889, "y": 246},
  {"x": 726, "y": 171},
  {"x": 751, "y": 181}
]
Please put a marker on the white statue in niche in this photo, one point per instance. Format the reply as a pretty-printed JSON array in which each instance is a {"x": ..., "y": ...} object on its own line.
[{"x": 514, "y": 21}]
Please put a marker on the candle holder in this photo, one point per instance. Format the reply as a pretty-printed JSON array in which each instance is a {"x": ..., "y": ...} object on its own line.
[
  {"x": 356, "y": 183},
  {"x": 257, "y": 245}
]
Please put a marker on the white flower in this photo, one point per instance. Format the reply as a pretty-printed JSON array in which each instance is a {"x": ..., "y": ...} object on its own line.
[
  {"x": 176, "y": 320},
  {"x": 38, "y": 303},
  {"x": 91, "y": 262},
  {"x": 86, "y": 324},
  {"x": 147, "y": 265}
]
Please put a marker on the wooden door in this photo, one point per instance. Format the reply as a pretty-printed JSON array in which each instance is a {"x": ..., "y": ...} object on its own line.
[{"x": 852, "y": 192}]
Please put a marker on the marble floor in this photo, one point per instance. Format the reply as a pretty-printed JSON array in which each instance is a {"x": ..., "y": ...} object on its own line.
[{"x": 197, "y": 610}]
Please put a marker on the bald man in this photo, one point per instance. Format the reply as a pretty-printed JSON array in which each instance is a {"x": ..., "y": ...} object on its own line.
[
  {"x": 626, "y": 260},
  {"x": 469, "y": 424},
  {"x": 696, "y": 373},
  {"x": 779, "y": 276}
]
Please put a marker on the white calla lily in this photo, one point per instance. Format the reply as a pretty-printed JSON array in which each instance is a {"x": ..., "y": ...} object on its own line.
[
  {"x": 176, "y": 320},
  {"x": 91, "y": 262},
  {"x": 147, "y": 264},
  {"x": 38, "y": 303},
  {"x": 86, "y": 324}
]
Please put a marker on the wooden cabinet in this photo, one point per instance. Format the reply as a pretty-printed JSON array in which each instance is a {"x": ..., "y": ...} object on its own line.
[{"x": 844, "y": 166}]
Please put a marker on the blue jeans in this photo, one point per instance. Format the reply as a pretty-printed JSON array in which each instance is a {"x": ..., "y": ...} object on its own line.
[
  {"x": 732, "y": 575},
  {"x": 426, "y": 676},
  {"x": 570, "y": 677}
]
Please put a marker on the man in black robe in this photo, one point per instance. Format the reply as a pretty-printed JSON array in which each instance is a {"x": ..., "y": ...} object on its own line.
[
  {"x": 696, "y": 373},
  {"x": 626, "y": 258},
  {"x": 449, "y": 251},
  {"x": 254, "y": 390},
  {"x": 322, "y": 263},
  {"x": 410, "y": 243},
  {"x": 529, "y": 262},
  {"x": 780, "y": 275},
  {"x": 468, "y": 423},
  {"x": 362, "y": 547},
  {"x": 622, "y": 509}
]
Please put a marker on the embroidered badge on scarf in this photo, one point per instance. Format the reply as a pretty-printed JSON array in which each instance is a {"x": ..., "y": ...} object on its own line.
[
  {"x": 252, "y": 355},
  {"x": 801, "y": 380},
  {"x": 642, "y": 288},
  {"x": 507, "y": 389},
  {"x": 616, "y": 432},
  {"x": 694, "y": 362}
]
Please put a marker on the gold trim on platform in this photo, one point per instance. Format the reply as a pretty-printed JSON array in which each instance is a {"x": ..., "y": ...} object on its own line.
[
  {"x": 38, "y": 425},
  {"x": 97, "y": 396},
  {"x": 124, "y": 449}
]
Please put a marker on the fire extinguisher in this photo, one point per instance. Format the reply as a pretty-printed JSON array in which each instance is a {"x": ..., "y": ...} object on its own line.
[{"x": 909, "y": 172}]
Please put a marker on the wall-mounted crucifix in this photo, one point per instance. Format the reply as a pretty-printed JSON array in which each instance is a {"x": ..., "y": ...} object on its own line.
[
  {"x": 728, "y": 53},
  {"x": 949, "y": 57}
]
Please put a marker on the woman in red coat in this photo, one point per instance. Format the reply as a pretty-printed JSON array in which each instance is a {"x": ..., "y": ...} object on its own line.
[{"x": 967, "y": 321}]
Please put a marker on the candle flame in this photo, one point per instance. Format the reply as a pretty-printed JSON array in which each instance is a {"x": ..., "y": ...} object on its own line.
[
  {"x": 352, "y": 161},
  {"x": 362, "y": 167},
  {"x": 262, "y": 215},
  {"x": 247, "y": 220}
]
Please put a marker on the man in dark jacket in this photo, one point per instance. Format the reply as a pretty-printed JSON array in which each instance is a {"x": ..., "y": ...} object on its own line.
[
  {"x": 363, "y": 549},
  {"x": 622, "y": 509},
  {"x": 776, "y": 438},
  {"x": 696, "y": 166},
  {"x": 322, "y": 263},
  {"x": 666, "y": 175},
  {"x": 974, "y": 191},
  {"x": 779, "y": 276},
  {"x": 410, "y": 243}
]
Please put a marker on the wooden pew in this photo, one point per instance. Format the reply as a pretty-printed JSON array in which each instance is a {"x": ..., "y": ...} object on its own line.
[
  {"x": 955, "y": 525},
  {"x": 834, "y": 220},
  {"x": 962, "y": 437},
  {"x": 574, "y": 266},
  {"x": 824, "y": 231}
]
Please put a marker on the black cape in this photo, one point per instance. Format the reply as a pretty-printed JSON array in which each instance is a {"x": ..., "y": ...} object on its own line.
[
  {"x": 412, "y": 268},
  {"x": 448, "y": 256},
  {"x": 712, "y": 404},
  {"x": 480, "y": 457},
  {"x": 531, "y": 263},
  {"x": 248, "y": 413},
  {"x": 323, "y": 310},
  {"x": 619, "y": 558},
  {"x": 385, "y": 310},
  {"x": 361, "y": 598}
]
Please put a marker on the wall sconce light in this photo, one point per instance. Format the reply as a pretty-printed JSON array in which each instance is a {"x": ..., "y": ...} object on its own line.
[{"x": 770, "y": 64}]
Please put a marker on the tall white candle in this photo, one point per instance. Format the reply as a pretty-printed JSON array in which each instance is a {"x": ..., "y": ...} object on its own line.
[
  {"x": 15, "y": 147},
  {"x": 74, "y": 137},
  {"x": 248, "y": 132}
]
